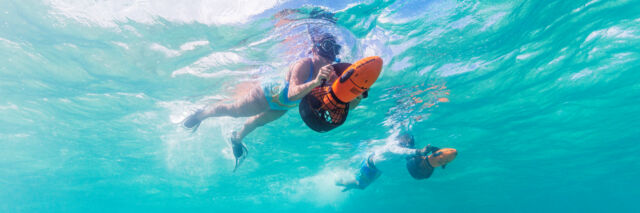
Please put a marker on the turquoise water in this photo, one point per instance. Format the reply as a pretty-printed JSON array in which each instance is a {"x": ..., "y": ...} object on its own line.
[{"x": 541, "y": 99}]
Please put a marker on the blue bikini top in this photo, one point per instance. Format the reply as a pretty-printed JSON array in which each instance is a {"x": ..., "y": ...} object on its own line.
[{"x": 284, "y": 95}]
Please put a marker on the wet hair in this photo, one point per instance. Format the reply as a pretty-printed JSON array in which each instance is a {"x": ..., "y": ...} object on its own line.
[
  {"x": 327, "y": 46},
  {"x": 406, "y": 140},
  {"x": 416, "y": 171}
]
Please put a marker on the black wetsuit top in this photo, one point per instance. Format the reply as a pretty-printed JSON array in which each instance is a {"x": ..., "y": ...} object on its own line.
[
  {"x": 415, "y": 162},
  {"x": 429, "y": 169}
]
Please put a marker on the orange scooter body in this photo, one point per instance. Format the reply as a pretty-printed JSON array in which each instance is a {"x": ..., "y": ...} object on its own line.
[
  {"x": 357, "y": 78},
  {"x": 442, "y": 157},
  {"x": 327, "y": 107}
]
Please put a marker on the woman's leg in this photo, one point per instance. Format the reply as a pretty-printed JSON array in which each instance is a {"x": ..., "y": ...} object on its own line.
[
  {"x": 252, "y": 104},
  {"x": 239, "y": 150},
  {"x": 257, "y": 121}
]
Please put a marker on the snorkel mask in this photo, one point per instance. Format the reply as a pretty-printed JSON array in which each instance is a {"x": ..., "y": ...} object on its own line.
[{"x": 328, "y": 48}]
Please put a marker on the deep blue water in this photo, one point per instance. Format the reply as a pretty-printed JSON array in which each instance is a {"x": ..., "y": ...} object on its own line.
[{"x": 541, "y": 99}]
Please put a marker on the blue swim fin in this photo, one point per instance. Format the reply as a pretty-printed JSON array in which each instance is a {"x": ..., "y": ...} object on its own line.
[
  {"x": 240, "y": 152},
  {"x": 192, "y": 122}
]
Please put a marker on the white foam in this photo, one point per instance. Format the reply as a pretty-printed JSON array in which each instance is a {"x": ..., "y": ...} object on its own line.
[
  {"x": 70, "y": 45},
  {"x": 193, "y": 45},
  {"x": 402, "y": 64},
  {"x": 431, "y": 11},
  {"x": 132, "y": 30},
  {"x": 183, "y": 48},
  {"x": 493, "y": 20},
  {"x": 167, "y": 52},
  {"x": 622, "y": 55},
  {"x": 193, "y": 154},
  {"x": 526, "y": 55},
  {"x": 556, "y": 60},
  {"x": 21, "y": 135},
  {"x": 399, "y": 48},
  {"x": 209, "y": 12},
  {"x": 137, "y": 95},
  {"x": 436, "y": 33},
  {"x": 374, "y": 44},
  {"x": 462, "y": 23},
  {"x": 426, "y": 69},
  {"x": 10, "y": 106},
  {"x": 319, "y": 189},
  {"x": 9, "y": 42},
  {"x": 581, "y": 74},
  {"x": 584, "y": 6},
  {"x": 200, "y": 67},
  {"x": 179, "y": 109},
  {"x": 613, "y": 32},
  {"x": 459, "y": 68},
  {"x": 593, "y": 35},
  {"x": 592, "y": 52},
  {"x": 123, "y": 45}
]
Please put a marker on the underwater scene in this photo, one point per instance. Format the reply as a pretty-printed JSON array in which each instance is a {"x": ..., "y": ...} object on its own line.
[{"x": 226, "y": 106}]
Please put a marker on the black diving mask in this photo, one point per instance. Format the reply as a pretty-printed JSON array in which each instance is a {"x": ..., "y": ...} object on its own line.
[{"x": 329, "y": 49}]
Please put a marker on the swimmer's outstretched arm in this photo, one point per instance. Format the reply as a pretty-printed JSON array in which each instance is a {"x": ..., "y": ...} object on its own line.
[
  {"x": 409, "y": 152},
  {"x": 299, "y": 72},
  {"x": 426, "y": 150}
]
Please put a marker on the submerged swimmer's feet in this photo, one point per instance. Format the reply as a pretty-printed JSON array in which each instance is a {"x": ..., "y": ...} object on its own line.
[
  {"x": 193, "y": 121},
  {"x": 348, "y": 185},
  {"x": 239, "y": 150}
]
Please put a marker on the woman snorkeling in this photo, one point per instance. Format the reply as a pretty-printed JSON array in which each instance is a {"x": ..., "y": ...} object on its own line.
[{"x": 270, "y": 100}]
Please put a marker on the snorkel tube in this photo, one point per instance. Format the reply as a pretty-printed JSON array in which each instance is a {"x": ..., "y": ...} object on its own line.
[{"x": 327, "y": 107}]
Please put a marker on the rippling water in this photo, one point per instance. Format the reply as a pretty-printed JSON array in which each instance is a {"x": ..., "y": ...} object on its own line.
[{"x": 541, "y": 99}]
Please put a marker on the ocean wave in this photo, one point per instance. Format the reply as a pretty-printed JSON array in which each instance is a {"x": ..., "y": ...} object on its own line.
[{"x": 111, "y": 13}]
